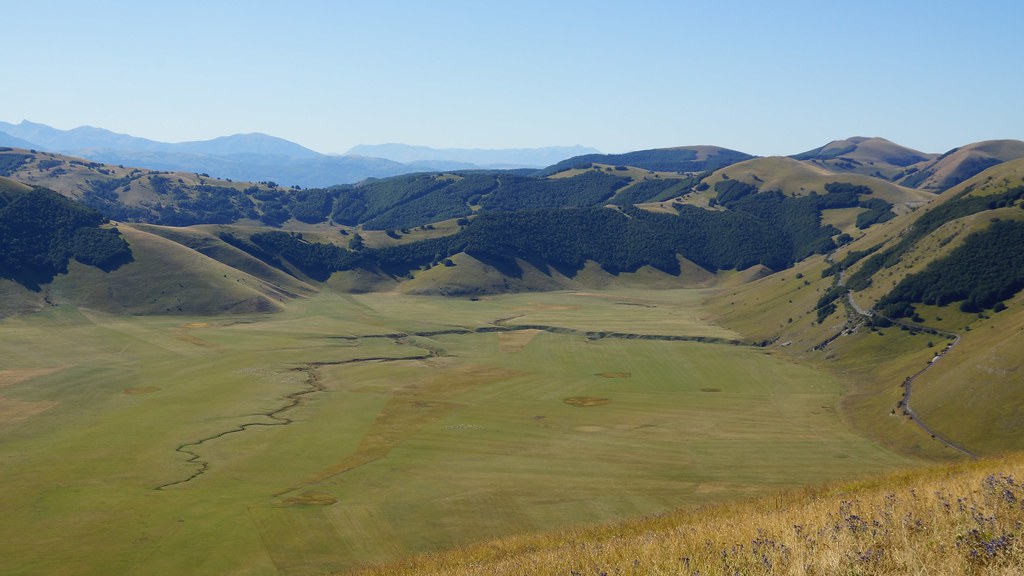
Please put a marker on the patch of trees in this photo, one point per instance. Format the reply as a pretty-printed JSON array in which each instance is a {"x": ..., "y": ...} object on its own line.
[
  {"x": 960, "y": 206},
  {"x": 566, "y": 239},
  {"x": 729, "y": 191},
  {"x": 372, "y": 199},
  {"x": 586, "y": 189},
  {"x": 452, "y": 200},
  {"x": 822, "y": 154},
  {"x": 103, "y": 248},
  {"x": 660, "y": 160},
  {"x": 766, "y": 228},
  {"x": 209, "y": 205},
  {"x": 251, "y": 249},
  {"x": 49, "y": 163},
  {"x": 418, "y": 199},
  {"x": 799, "y": 217},
  {"x": 826, "y": 304},
  {"x": 11, "y": 162},
  {"x": 878, "y": 211},
  {"x": 107, "y": 189},
  {"x": 652, "y": 190},
  {"x": 914, "y": 179},
  {"x": 40, "y": 231},
  {"x": 313, "y": 206},
  {"x": 315, "y": 259},
  {"x": 850, "y": 259},
  {"x": 981, "y": 273}
]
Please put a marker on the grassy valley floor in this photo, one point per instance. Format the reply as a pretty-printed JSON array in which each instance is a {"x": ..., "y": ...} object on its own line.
[{"x": 352, "y": 430}]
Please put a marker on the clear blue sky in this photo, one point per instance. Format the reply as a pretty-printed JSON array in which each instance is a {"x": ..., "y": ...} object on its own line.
[{"x": 762, "y": 77}]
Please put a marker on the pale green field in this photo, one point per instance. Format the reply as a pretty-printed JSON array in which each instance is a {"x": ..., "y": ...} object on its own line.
[{"x": 395, "y": 443}]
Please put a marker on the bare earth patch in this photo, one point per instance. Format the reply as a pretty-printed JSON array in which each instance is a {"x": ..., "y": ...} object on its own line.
[
  {"x": 590, "y": 428},
  {"x": 710, "y": 389},
  {"x": 615, "y": 375},
  {"x": 540, "y": 307},
  {"x": 12, "y": 377},
  {"x": 184, "y": 336},
  {"x": 13, "y": 410},
  {"x": 516, "y": 341},
  {"x": 586, "y": 401},
  {"x": 311, "y": 499}
]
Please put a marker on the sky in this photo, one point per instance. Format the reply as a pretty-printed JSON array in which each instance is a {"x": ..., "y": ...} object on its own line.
[{"x": 766, "y": 78}]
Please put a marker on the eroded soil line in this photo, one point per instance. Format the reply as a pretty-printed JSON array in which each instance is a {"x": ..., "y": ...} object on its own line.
[
  {"x": 294, "y": 400},
  {"x": 313, "y": 385}
]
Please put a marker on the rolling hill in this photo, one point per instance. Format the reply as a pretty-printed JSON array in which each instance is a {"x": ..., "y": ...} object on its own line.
[
  {"x": 680, "y": 159},
  {"x": 778, "y": 210},
  {"x": 962, "y": 163},
  {"x": 870, "y": 156}
]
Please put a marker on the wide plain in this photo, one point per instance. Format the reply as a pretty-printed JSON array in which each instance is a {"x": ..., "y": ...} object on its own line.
[{"x": 354, "y": 429}]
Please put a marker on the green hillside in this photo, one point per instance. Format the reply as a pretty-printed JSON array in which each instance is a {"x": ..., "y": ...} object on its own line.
[
  {"x": 963, "y": 236},
  {"x": 960, "y": 164},
  {"x": 795, "y": 178},
  {"x": 680, "y": 159}
]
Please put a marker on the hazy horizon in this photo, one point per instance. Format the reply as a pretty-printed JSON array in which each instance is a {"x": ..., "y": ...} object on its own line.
[{"x": 764, "y": 79}]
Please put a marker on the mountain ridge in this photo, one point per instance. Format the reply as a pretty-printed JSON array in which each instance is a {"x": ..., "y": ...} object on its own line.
[
  {"x": 261, "y": 157},
  {"x": 539, "y": 157}
]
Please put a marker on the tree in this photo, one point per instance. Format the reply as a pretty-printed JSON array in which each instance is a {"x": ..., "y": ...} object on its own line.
[{"x": 356, "y": 243}]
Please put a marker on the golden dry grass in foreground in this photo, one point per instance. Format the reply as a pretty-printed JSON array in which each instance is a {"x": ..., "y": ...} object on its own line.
[{"x": 958, "y": 519}]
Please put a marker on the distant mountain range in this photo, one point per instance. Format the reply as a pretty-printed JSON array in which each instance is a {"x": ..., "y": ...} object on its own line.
[
  {"x": 501, "y": 158},
  {"x": 260, "y": 157}
]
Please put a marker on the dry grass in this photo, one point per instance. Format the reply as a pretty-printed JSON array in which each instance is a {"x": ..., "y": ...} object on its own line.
[
  {"x": 12, "y": 377},
  {"x": 516, "y": 341},
  {"x": 961, "y": 519},
  {"x": 586, "y": 401},
  {"x": 14, "y": 410}
]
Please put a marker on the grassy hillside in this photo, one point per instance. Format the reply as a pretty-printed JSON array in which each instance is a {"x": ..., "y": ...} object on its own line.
[
  {"x": 167, "y": 278},
  {"x": 679, "y": 159},
  {"x": 960, "y": 164},
  {"x": 873, "y": 362},
  {"x": 795, "y": 178},
  {"x": 868, "y": 156},
  {"x": 952, "y": 520},
  {"x": 134, "y": 194},
  {"x": 10, "y": 188}
]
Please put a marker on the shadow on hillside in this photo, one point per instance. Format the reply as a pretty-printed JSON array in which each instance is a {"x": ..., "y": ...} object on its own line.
[
  {"x": 112, "y": 263},
  {"x": 35, "y": 278},
  {"x": 29, "y": 279},
  {"x": 507, "y": 266}
]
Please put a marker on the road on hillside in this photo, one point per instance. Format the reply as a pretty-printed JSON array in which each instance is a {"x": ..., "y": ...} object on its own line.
[{"x": 909, "y": 382}]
